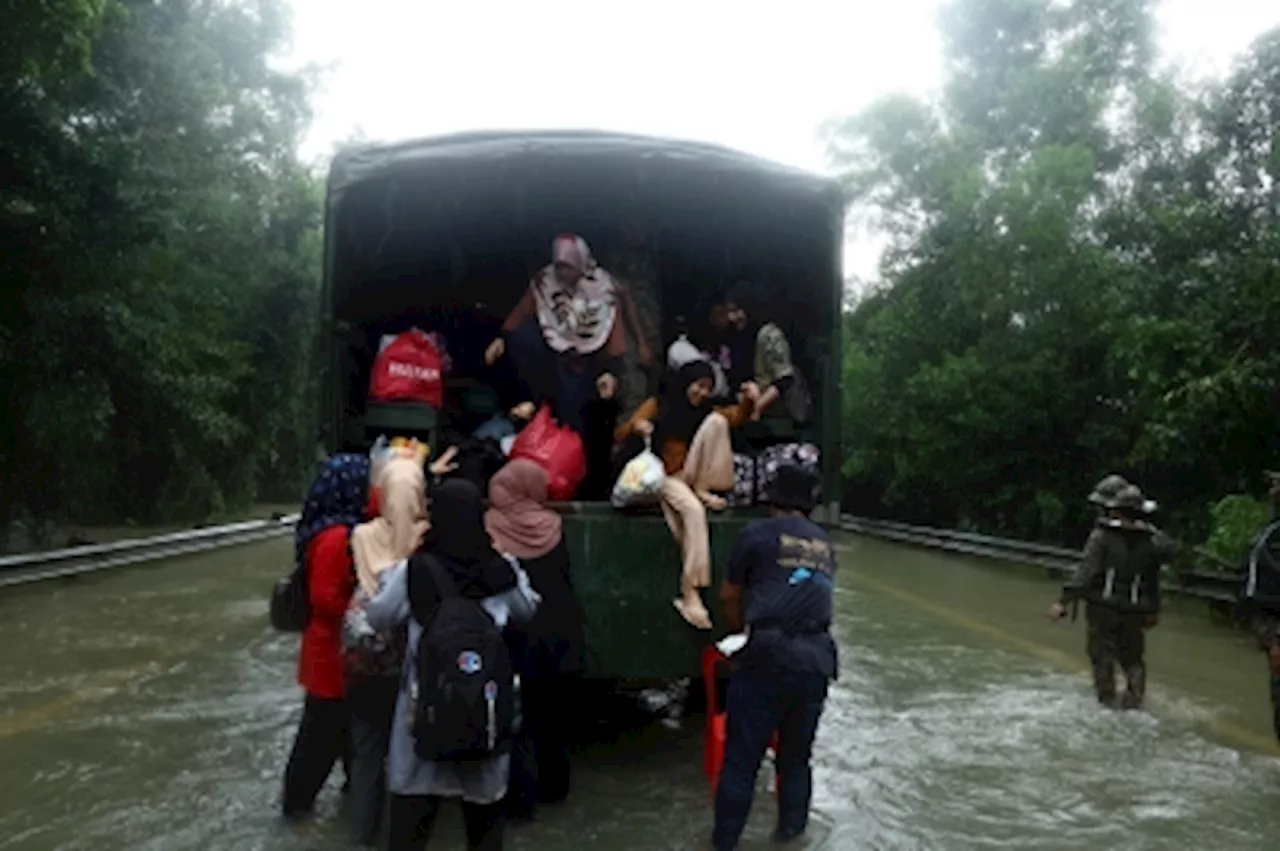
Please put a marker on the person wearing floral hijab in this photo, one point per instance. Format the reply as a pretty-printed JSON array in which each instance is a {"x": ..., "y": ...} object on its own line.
[
  {"x": 337, "y": 500},
  {"x": 564, "y": 334}
]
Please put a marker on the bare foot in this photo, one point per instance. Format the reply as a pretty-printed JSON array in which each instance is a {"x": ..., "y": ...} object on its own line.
[
  {"x": 713, "y": 502},
  {"x": 694, "y": 612}
]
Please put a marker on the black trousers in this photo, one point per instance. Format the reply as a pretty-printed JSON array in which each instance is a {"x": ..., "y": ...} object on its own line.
[
  {"x": 412, "y": 817},
  {"x": 540, "y": 755},
  {"x": 321, "y": 741},
  {"x": 372, "y": 705}
]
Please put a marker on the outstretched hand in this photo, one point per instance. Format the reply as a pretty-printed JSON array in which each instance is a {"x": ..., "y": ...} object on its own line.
[
  {"x": 495, "y": 350},
  {"x": 445, "y": 463},
  {"x": 607, "y": 385}
]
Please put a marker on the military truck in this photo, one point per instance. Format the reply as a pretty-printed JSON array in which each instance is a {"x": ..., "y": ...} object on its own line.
[{"x": 444, "y": 234}]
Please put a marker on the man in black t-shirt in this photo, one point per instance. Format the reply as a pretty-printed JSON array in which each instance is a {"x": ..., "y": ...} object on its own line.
[{"x": 783, "y": 568}]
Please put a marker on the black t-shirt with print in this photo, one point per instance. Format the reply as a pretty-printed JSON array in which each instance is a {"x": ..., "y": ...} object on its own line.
[{"x": 786, "y": 567}]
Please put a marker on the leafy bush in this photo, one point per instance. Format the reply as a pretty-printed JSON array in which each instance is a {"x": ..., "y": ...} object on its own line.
[{"x": 1236, "y": 521}]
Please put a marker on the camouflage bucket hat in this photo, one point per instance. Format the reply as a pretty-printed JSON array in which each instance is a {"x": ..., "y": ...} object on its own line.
[
  {"x": 1131, "y": 498},
  {"x": 1104, "y": 492}
]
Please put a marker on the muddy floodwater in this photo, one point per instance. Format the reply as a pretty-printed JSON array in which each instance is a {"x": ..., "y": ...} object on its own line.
[{"x": 153, "y": 708}]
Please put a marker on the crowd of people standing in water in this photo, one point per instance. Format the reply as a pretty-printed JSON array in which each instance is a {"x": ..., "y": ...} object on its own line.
[
  {"x": 400, "y": 555},
  {"x": 376, "y": 562}
]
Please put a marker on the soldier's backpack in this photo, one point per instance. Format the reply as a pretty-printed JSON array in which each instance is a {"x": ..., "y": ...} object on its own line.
[
  {"x": 464, "y": 694},
  {"x": 1261, "y": 586}
]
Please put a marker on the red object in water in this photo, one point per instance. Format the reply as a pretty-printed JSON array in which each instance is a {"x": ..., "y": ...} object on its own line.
[{"x": 714, "y": 738}]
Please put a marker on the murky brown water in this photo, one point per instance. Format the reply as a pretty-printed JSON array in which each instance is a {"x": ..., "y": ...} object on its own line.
[{"x": 153, "y": 709}]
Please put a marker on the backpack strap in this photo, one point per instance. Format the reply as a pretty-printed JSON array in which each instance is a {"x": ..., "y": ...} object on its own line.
[{"x": 445, "y": 586}]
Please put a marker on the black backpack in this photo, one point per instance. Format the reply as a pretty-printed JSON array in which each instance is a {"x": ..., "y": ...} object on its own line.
[
  {"x": 1261, "y": 585},
  {"x": 290, "y": 608},
  {"x": 463, "y": 700}
]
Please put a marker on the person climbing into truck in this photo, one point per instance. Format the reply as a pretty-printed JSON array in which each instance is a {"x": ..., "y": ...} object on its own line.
[
  {"x": 374, "y": 661},
  {"x": 564, "y": 334},
  {"x": 548, "y": 653},
  {"x": 337, "y": 500},
  {"x": 692, "y": 437},
  {"x": 455, "y": 710},
  {"x": 779, "y": 586}
]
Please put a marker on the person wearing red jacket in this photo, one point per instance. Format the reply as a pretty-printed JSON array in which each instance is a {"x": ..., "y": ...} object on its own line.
[{"x": 338, "y": 499}]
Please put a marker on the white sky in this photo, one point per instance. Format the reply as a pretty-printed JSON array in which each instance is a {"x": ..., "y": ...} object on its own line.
[{"x": 757, "y": 76}]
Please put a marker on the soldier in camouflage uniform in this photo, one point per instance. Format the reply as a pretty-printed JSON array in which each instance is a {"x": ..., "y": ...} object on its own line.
[{"x": 1119, "y": 580}]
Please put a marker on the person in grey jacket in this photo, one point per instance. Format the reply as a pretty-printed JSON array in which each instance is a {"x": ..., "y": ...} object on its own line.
[{"x": 407, "y": 593}]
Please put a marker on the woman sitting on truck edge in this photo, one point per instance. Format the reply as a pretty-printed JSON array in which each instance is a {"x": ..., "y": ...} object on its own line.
[
  {"x": 564, "y": 332},
  {"x": 692, "y": 436}
]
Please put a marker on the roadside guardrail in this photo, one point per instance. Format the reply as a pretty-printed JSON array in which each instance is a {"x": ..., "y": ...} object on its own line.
[
  {"x": 33, "y": 567},
  {"x": 1217, "y": 587}
]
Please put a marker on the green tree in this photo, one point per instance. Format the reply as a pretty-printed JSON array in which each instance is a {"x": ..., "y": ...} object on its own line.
[{"x": 1079, "y": 276}]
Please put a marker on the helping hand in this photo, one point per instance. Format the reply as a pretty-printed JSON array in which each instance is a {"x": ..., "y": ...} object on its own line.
[
  {"x": 445, "y": 463},
  {"x": 495, "y": 351},
  {"x": 606, "y": 385}
]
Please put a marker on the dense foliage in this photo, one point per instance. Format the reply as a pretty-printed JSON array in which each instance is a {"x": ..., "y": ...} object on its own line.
[
  {"x": 159, "y": 249},
  {"x": 1083, "y": 276}
]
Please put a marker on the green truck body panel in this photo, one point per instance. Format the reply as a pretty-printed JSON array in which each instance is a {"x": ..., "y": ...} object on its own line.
[{"x": 626, "y": 570}]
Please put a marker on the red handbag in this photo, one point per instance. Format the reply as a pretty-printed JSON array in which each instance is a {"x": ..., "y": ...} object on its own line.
[
  {"x": 555, "y": 448},
  {"x": 407, "y": 369}
]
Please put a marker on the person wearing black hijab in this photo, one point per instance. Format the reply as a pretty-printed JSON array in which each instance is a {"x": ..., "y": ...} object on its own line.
[
  {"x": 460, "y": 543},
  {"x": 691, "y": 435},
  {"x": 760, "y": 352}
]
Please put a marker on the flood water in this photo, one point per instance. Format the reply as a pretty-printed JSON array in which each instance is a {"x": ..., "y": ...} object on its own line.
[{"x": 153, "y": 708}]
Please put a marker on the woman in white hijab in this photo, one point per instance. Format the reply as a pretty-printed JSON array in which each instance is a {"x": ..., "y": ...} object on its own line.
[{"x": 374, "y": 660}]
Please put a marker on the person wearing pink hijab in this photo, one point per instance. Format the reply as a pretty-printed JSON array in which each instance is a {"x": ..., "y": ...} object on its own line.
[{"x": 548, "y": 653}]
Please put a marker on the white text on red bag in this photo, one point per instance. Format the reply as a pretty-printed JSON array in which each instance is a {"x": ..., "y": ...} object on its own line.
[{"x": 407, "y": 369}]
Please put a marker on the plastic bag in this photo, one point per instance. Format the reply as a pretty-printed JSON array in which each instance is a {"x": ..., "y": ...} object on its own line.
[
  {"x": 556, "y": 449},
  {"x": 407, "y": 369},
  {"x": 367, "y": 653},
  {"x": 640, "y": 480}
]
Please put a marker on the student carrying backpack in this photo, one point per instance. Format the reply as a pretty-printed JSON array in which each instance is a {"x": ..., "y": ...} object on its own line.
[
  {"x": 452, "y": 732},
  {"x": 463, "y": 697}
]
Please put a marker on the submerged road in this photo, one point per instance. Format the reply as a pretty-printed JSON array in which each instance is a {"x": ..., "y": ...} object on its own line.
[{"x": 153, "y": 708}]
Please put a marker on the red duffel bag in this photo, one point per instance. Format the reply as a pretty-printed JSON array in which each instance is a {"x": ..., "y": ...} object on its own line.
[
  {"x": 407, "y": 369},
  {"x": 556, "y": 449}
]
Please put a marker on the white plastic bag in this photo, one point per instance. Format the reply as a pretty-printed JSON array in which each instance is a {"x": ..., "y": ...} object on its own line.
[{"x": 640, "y": 480}]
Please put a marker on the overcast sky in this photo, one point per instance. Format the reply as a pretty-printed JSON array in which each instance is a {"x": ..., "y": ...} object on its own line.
[{"x": 759, "y": 75}]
